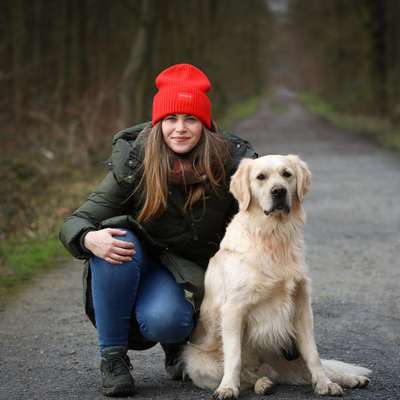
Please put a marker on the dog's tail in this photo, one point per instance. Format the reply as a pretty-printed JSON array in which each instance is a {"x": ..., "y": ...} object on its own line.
[
  {"x": 296, "y": 373},
  {"x": 340, "y": 367},
  {"x": 202, "y": 367}
]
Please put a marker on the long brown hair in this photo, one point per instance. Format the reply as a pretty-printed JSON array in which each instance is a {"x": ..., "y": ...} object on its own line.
[{"x": 210, "y": 155}]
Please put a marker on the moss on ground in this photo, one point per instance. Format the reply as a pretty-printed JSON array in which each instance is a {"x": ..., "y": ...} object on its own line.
[
  {"x": 22, "y": 259},
  {"x": 35, "y": 248},
  {"x": 380, "y": 129},
  {"x": 239, "y": 111}
]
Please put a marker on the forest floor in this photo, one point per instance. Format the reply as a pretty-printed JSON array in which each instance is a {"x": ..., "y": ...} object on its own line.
[{"x": 48, "y": 349}]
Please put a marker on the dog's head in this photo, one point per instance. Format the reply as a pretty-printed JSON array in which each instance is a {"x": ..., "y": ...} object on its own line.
[{"x": 273, "y": 183}]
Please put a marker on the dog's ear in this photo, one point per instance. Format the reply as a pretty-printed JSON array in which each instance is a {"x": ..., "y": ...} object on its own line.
[
  {"x": 303, "y": 176},
  {"x": 240, "y": 184}
]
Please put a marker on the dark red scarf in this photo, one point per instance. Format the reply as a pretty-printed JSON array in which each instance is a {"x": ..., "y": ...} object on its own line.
[{"x": 183, "y": 172}]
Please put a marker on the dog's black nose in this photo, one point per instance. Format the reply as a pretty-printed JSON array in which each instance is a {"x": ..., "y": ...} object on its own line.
[{"x": 278, "y": 192}]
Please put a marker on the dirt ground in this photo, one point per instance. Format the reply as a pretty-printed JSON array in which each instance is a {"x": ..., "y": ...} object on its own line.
[{"x": 48, "y": 350}]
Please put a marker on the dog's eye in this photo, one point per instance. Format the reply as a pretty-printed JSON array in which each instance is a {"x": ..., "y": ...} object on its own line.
[
  {"x": 261, "y": 177},
  {"x": 286, "y": 174}
]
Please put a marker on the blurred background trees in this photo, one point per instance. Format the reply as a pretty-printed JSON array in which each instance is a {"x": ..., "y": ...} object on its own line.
[
  {"x": 348, "y": 52},
  {"x": 73, "y": 72},
  {"x": 86, "y": 67}
]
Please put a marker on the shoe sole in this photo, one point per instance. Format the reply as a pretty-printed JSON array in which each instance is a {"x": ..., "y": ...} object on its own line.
[{"x": 119, "y": 390}]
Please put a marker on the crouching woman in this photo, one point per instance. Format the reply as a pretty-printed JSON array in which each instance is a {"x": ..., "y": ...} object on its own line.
[{"x": 149, "y": 229}]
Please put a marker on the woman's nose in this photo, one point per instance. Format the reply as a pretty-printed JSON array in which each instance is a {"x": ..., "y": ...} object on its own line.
[{"x": 180, "y": 125}]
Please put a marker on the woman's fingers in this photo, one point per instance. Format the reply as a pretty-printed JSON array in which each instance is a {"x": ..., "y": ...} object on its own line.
[
  {"x": 124, "y": 245},
  {"x": 112, "y": 261},
  {"x": 120, "y": 259},
  {"x": 116, "y": 232},
  {"x": 122, "y": 248},
  {"x": 119, "y": 251},
  {"x": 123, "y": 252}
]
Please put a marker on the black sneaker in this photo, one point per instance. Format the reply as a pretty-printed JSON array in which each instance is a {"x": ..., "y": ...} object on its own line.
[
  {"x": 115, "y": 370},
  {"x": 173, "y": 361}
]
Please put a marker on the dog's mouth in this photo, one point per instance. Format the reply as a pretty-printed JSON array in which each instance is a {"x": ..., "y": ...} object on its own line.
[{"x": 280, "y": 208}]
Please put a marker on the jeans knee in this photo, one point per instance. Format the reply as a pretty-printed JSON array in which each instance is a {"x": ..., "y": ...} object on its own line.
[{"x": 167, "y": 324}]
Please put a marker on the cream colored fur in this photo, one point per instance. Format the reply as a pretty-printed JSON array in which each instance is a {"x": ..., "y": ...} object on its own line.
[{"x": 257, "y": 293}]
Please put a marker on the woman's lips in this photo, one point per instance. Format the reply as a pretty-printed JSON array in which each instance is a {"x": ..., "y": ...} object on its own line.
[{"x": 181, "y": 139}]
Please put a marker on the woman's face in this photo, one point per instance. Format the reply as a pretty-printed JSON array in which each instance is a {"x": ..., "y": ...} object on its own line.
[{"x": 181, "y": 132}]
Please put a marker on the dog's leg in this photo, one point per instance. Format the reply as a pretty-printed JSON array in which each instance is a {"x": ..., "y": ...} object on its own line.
[
  {"x": 307, "y": 346},
  {"x": 231, "y": 327}
]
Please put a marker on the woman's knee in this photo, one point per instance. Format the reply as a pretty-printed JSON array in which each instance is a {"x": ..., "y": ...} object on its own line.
[
  {"x": 130, "y": 236},
  {"x": 138, "y": 259},
  {"x": 165, "y": 323}
]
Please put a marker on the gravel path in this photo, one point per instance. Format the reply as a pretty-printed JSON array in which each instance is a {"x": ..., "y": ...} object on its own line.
[{"x": 48, "y": 349}]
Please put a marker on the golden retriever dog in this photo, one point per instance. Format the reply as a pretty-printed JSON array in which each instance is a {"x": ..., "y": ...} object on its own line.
[{"x": 257, "y": 293}]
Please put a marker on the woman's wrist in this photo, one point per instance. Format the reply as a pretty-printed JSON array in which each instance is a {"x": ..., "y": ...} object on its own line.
[{"x": 85, "y": 243}]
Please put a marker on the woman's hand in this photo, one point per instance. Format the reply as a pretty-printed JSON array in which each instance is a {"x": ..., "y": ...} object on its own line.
[{"x": 102, "y": 244}]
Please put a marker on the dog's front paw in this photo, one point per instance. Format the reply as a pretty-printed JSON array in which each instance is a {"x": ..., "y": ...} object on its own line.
[
  {"x": 327, "y": 388},
  {"x": 226, "y": 393},
  {"x": 263, "y": 386}
]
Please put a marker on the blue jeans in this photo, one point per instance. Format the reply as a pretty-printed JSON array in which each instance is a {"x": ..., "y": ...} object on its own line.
[{"x": 143, "y": 288}]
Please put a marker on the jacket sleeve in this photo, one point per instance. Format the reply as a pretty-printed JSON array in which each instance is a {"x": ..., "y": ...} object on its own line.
[
  {"x": 250, "y": 152},
  {"x": 241, "y": 149},
  {"x": 108, "y": 200}
]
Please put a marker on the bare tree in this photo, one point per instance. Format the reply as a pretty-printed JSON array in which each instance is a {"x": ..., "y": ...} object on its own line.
[
  {"x": 18, "y": 38},
  {"x": 134, "y": 82}
]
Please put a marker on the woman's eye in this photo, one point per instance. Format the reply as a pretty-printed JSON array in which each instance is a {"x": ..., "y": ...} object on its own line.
[
  {"x": 261, "y": 177},
  {"x": 191, "y": 119},
  {"x": 171, "y": 118},
  {"x": 286, "y": 174}
]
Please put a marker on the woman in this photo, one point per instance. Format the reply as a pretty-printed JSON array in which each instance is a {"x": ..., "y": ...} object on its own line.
[{"x": 151, "y": 226}]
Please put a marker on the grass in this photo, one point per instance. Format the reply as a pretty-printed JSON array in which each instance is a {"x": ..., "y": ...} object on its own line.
[
  {"x": 24, "y": 259},
  {"x": 378, "y": 128},
  {"x": 36, "y": 248},
  {"x": 239, "y": 111}
]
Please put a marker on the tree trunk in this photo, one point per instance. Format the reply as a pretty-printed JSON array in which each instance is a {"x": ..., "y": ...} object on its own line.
[
  {"x": 74, "y": 51},
  {"x": 132, "y": 90},
  {"x": 17, "y": 23},
  {"x": 37, "y": 38},
  {"x": 379, "y": 53},
  {"x": 61, "y": 51},
  {"x": 393, "y": 55}
]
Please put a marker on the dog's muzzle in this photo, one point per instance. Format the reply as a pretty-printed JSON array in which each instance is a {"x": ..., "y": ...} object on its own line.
[{"x": 279, "y": 200}]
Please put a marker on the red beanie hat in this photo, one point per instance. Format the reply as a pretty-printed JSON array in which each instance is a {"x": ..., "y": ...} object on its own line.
[{"x": 182, "y": 89}]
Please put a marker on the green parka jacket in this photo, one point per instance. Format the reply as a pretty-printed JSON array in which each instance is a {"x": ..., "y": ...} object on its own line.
[{"x": 183, "y": 241}]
